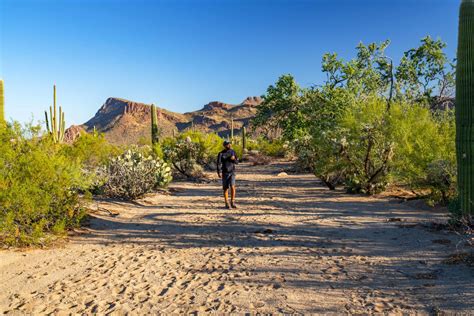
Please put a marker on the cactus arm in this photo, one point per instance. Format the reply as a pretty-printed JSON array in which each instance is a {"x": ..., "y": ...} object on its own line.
[
  {"x": 61, "y": 125},
  {"x": 51, "y": 116},
  {"x": 59, "y": 120},
  {"x": 64, "y": 126},
  {"x": 47, "y": 121}
]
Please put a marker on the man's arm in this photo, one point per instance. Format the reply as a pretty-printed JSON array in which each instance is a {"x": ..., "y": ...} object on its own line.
[
  {"x": 235, "y": 158},
  {"x": 219, "y": 164}
]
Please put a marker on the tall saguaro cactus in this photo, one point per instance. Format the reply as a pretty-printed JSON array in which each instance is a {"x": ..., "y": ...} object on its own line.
[
  {"x": 244, "y": 140},
  {"x": 2, "y": 104},
  {"x": 154, "y": 126},
  {"x": 465, "y": 107},
  {"x": 231, "y": 128},
  {"x": 55, "y": 124}
]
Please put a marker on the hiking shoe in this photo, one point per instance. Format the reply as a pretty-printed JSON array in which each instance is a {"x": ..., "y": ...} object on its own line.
[
  {"x": 227, "y": 206},
  {"x": 233, "y": 205}
]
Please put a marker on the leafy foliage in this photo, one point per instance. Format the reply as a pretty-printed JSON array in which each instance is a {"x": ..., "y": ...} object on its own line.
[
  {"x": 425, "y": 73},
  {"x": 271, "y": 148},
  {"x": 39, "y": 187},
  {"x": 192, "y": 151},
  {"x": 368, "y": 124},
  {"x": 91, "y": 150},
  {"x": 281, "y": 108}
]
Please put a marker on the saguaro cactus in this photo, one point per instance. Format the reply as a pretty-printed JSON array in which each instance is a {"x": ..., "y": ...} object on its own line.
[
  {"x": 244, "y": 140},
  {"x": 56, "y": 124},
  {"x": 2, "y": 104},
  {"x": 465, "y": 107},
  {"x": 231, "y": 128},
  {"x": 154, "y": 126}
]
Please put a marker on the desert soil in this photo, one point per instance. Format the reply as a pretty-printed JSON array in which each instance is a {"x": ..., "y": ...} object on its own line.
[{"x": 292, "y": 246}]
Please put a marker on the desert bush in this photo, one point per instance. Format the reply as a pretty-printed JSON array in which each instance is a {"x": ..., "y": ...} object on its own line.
[
  {"x": 91, "y": 150},
  {"x": 271, "y": 148},
  {"x": 183, "y": 155},
  {"x": 39, "y": 187},
  {"x": 131, "y": 175},
  {"x": 207, "y": 146},
  {"x": 259, "y": 159},
  {"x": 157, "y": 151},
  {"x": 366, "y": 147},
  {"x": 425, "y": 154},
  {"x": 441, "y": 178},
  {"x": 191, "y": 152}
]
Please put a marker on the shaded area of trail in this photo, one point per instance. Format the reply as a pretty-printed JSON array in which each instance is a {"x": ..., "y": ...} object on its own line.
[{"x": 292, "y": 246}]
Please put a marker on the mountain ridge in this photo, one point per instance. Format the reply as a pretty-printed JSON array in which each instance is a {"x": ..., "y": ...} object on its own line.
[{"x": 128, "y": 122}]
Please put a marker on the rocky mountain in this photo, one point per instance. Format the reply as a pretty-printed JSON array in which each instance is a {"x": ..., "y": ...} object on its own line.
[{"x": 127, "y": 122}]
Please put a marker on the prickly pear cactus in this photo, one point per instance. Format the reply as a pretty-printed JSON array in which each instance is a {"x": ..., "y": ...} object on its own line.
[{"x": 163, "y": 174}]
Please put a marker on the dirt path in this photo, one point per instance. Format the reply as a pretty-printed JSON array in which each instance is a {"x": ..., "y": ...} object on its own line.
[{"x": 291, "y": 247}]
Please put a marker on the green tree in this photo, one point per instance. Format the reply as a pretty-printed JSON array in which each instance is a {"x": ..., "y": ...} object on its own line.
[
  {"x": 282, "y": 108},
  {"x": 370, "y": 72},
  {"x": 425, "y": 73}
]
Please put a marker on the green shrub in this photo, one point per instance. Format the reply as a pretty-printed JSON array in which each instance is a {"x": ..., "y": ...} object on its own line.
[
  {"x": 91, "y": 150},
  {"x": 273, "y": 148},
  {"x": 183, "y": 155},
  {"x": 366, "y": 146},
  {"x": 39, "y": 187},
  {"x": 208, "y": 146},
  {"x": 425, "y": 154},
  {"x": 192, "y": 151},
  {"x": 131, "y": 175},
  {"x": 441, "y": 179},
  {"x": 157, "y": 151}
]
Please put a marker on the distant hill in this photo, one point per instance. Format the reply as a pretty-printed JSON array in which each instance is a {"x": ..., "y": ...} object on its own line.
[{"x": 127, "y": 122}]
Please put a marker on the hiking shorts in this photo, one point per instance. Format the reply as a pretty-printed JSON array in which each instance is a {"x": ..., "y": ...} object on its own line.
[{"x": 228, "y": 180}]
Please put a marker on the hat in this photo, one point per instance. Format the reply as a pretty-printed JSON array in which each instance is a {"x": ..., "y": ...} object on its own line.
[{"x": 226, "y": 142}]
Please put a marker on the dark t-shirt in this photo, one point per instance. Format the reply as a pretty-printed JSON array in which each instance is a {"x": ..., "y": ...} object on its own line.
[{"x": 224, "y": 163}]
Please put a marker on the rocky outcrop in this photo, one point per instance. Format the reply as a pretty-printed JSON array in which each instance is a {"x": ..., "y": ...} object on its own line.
[
  {"x": 252, "y": 101},
  {"x": 72, "y": 133}
]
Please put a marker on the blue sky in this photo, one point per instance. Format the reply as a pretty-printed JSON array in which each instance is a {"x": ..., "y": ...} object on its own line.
[{"x": 182, "y": 54}]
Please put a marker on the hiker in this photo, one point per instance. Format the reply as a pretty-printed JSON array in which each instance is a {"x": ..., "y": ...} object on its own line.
[{"x": 226, "y": 161}]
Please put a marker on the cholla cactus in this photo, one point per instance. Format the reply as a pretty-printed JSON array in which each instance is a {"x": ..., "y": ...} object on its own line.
[{"x": 131, "y": 175}]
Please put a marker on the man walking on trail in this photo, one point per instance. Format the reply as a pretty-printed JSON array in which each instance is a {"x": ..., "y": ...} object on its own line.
[{"x": 226, "y": 161}]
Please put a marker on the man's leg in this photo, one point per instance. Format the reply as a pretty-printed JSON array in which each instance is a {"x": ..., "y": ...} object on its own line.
[
  {"x": 226, "y": 197},
  {"x": 232, "y": 191},
  {"x": 232, "y": 196}
]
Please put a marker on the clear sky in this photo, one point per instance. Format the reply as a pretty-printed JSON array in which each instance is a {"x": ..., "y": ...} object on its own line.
[{"x": 181, "y": 54}]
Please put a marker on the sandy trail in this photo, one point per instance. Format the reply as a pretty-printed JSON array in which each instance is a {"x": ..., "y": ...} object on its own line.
[{"x": 291, "y": 247}]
